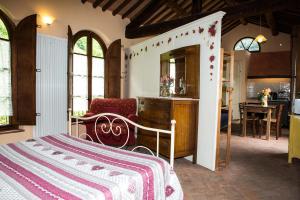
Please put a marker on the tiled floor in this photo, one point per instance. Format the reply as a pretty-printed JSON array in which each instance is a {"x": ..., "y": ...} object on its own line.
[{"x": 258, "y": 170}]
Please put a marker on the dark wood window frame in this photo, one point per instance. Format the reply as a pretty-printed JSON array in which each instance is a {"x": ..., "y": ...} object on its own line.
[
  {"x": 247, "y": 49},
  {"x": 90, "y": 36},
  {"x": 10, "y": 29}
]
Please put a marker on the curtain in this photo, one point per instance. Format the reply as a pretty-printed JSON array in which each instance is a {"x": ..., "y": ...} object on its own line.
[{"x": 5, "y": 79}]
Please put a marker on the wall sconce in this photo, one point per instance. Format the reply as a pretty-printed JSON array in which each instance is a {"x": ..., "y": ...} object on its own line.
[{"x": 47, "y": 20}]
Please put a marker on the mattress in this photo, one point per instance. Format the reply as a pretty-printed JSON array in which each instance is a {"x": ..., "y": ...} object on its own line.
[{"x": 64, "y": 167}]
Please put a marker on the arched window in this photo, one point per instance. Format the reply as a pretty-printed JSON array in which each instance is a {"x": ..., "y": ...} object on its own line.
[
  {"x": 6, "y": 110},
  {"x": 88, "y": 70},
  {"x": 247, "y": 43}
]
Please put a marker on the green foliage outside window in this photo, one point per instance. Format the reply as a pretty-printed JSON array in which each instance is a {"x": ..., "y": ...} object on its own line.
[
  {"x": 4, "y": 120},
  {"x": 79, "y": 113},
  {"x": 81, "y": 46},
  {"x": 3, "y": 31},
  {"x": 97, "y": 50}
]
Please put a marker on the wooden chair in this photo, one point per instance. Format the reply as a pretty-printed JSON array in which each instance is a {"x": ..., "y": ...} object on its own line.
[
  {"x": 275, "y": 121},
  {"x": 251, "y": 119}
]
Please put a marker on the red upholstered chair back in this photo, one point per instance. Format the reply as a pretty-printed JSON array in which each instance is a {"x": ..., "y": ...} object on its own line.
[{"x": 123, "y": 107}]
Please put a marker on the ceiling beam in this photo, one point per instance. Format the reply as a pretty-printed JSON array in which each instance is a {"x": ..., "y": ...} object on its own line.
[
  {"x": 108, "y": 4},
  {"x": 120, "y": 7},
  {"x": 196, "y": 6},
  {"x": 233, "y": 3},
  {"x": 146, "y": 13},
  {"x": 272, "y": 23},
  {"x": 252, "y": 8},
  {"x": 157, "y": 14},
  {"x": 97, "y": 3},
  {"x": 173, "y": 4},
  {"x": 166, "y": 13},
  {"x": 131, "y": 9}
]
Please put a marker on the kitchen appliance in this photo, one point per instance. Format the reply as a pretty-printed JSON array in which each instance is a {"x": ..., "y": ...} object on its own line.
[{"x": 297, "y": 106}]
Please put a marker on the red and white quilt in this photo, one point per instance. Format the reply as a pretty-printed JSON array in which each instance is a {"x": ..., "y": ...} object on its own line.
[{"x": 64, "y": 167}]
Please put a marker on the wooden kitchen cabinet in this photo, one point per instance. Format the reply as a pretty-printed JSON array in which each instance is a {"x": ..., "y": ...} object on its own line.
[
  {"x": 158, "y": 113},
  {"x": 270, "y": 65}
]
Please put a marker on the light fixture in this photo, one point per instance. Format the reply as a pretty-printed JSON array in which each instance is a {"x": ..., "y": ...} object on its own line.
[
  {"x": 47, "y": 20},
  {"x": 260, "y": 38}
]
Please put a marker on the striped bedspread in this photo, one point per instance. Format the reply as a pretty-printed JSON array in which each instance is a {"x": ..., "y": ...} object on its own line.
[{"x": 64, "y": 167}]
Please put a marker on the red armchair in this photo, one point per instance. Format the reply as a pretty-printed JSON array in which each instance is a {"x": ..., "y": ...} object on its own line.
[{"x": 123, "y": 107}]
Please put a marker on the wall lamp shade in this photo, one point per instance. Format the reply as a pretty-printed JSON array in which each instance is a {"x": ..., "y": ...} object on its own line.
[
  {"x": 47, "y": 20},
  {"x": 260, "y": 38}
]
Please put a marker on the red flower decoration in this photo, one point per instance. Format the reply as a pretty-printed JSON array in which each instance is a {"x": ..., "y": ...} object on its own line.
[
  {"x": 211, "y": 66},
  {"x": 201, "y": 30},
  {"x": 169, "y": 190},
  {"x": 212, "y": 30},
  {"x": 211, "y": 58},
  {"x": 212, "y": 46}
]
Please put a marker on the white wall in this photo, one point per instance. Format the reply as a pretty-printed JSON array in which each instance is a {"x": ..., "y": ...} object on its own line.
[
  {"x": 281, "y": 42},
  {"x": 144, "y": 76}
]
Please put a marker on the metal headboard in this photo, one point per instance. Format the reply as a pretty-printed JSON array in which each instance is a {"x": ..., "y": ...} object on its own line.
[{"x": 107, "y": 128}]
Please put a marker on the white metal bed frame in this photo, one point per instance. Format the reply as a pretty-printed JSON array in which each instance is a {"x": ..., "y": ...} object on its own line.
[{"x": 107, "y": 128}]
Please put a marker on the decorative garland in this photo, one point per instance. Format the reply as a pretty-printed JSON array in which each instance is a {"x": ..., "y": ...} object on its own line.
[{"x": 211, "y": 32}]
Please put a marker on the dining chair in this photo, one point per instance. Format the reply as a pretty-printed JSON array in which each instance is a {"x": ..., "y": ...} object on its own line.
[
  {"x": 251, "y": 119},
  {"x": 275, "y": 121}
]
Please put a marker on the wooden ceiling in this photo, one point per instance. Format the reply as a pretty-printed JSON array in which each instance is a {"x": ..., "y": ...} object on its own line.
[{"x": 147, "y": 16}]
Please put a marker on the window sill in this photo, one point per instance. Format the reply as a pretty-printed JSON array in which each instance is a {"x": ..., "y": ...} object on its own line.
[{"x": 11, "y": 131}]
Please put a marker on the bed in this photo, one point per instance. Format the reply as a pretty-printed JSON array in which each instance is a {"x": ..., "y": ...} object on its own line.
[{"x": 66, "y": 167}]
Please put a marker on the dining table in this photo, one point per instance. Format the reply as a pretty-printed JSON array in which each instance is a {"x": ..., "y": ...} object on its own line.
[{"x": 255, "y": 109}]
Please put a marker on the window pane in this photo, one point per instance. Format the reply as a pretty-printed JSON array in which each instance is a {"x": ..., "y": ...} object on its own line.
[
  {"x": 3, "y": 31},
  {"x": 254, "y": 46},
  {"x": 5, "y": 83},
  {"x": 97, "y": 50},
  {"x": 81, "y": 45},
  {"x": 239, "y": 46},
  {"x": 80, "y": 106},
  {"x": 247, "y": 42},
  {"x": 80, "y": 84},
  {"x": 98, "y": 78}
]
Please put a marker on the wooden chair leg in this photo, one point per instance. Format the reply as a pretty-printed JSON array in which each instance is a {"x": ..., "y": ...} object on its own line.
[
  {"x": 280, "y": 131},
  {"x": 277, "y": 131},
  {"x": 241, "y": 127},
  {"x": 258, "y": 128},
  {"x": 253, "y": 128}
]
